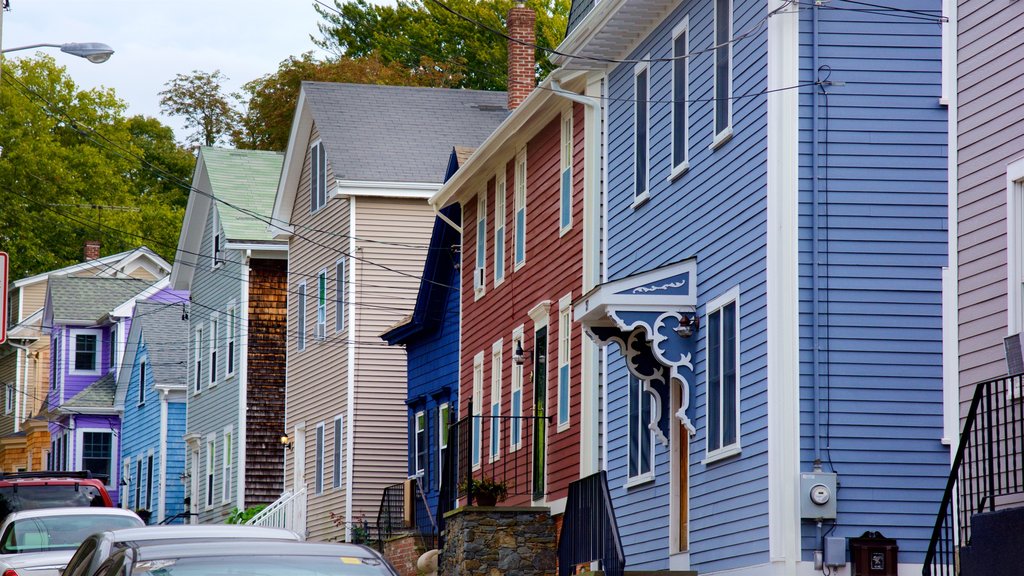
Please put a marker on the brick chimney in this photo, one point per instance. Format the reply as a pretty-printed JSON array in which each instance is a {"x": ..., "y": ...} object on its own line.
[
  {"x": 522, "y": 77},
  {"x": 90, "y": 250}
]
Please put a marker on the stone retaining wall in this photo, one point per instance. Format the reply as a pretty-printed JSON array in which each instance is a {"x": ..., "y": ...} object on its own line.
[{"x": 499, "y": 541}]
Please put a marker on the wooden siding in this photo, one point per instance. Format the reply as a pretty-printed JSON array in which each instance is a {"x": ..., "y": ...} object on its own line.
[
  {"x": 882, "y": 247},
  {"x": 265, "y": 379},
  {"x": 8, "y": 377},
  {"x": 716, "y": 212},
  {"x": 13, "y": 303},
  {"x": 317, "y": 377},
  {"x": 140, "y": 427},
  {"x": 553, "y": 269},
  {"x": 33, "y": 298},
  {"x": 990, "y": 134},
  {"x": 216, "y": 406}
]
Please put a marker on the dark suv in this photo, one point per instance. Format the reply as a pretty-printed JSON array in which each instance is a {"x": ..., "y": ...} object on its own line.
[{"x": 50, "y": 489}]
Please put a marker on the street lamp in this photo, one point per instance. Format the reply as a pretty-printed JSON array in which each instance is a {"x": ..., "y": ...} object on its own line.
[{"x": 94, "y": 52}]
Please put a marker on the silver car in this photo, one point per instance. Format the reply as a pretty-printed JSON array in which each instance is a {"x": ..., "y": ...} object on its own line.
[
  {"x": 247, "y": 558},
  {"x": 39, "y": 542},
  {"x": 97, "y": 548}
]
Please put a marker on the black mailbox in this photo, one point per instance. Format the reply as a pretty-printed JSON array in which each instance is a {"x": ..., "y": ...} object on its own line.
[{"x": 873, "y": 555}]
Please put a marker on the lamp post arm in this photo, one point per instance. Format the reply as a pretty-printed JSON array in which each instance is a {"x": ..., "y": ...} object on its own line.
[{"x": 29, "y": 47}]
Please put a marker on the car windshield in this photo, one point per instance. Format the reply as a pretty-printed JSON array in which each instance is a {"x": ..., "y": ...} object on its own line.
[
  {"x": 290, "y": 565},
  {"x": 31, "y": 497},
  {"x": 44, "y": 533}
]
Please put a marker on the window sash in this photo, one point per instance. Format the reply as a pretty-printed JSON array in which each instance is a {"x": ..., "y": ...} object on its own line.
[
  {"x": 319, "y": 476},
  {"x": 722, "y": 383},
  {"x": 641, "y": 438},
  {"x": 499, "y": 229},
  {"x": 421, "y": 443},
  {"x": 640, "y": 139},
  {"x": 520, "y": 206},
  {"x": 680, "y": 93},
  {"x": 232, "y": 323},
  {"x": 495, "y": 411},
  {"x": 478, "y": 376},
  {"x": 481, "y": 240},
  {"x": 211, "y": 448},
  {"x": 321, "y": 301},
  {"x": 566, "y": 171},
  {"x": 225, "y": 460},
  {"x": 142, "y": 382},
  {"x": 199, "y": 360},
  {"x": 138, "y": 483},
  {"x": 85, "y": 352},
  {"x": 214, "y": 329},
  {"x": 97, "y": 453},
  {"x": 149, "y": 482},
  {"x": 300, "y": 331},
  {"x": 338, "y": 438},
  {"x": 318, "y": 177},
  {"x": 339, "y": 304},
  {"x": 723, "y": 65}
]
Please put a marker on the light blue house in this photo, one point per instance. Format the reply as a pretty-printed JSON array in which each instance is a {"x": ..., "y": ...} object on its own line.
[
  {"x": 773, "y": 236},
  {"x": 151, "y": 390}
]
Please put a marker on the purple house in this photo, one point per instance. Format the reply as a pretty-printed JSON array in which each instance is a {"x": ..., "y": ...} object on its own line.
[{"x": 88, "y": 320}]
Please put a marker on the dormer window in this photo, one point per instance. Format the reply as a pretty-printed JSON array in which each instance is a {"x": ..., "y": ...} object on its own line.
[{"x": 317, "y": 177}]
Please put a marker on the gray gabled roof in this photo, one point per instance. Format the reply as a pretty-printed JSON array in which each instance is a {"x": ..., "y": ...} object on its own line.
[
  {"x": 163, "y": 333},
  {"x": 99, "y": 394},
  {"x": 399, "y": 133},
  {"x": 88, "y": 300}
]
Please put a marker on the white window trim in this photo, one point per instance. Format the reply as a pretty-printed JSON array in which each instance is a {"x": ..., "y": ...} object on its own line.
[
  {"x": 315, "y": 176},
  {"x": 137, "y": 496},
  {"x": 495, "y": 396},
  {"x": 724, "y": 135},
  {"x": 197, "y": 361},
  {"x": 338, "y": 469},
  {"x": 518, "y": 335},
  {"x": 1015, "y": 246},
  {"x": 500, "y": 215},
  {"x": 565, "y": 163},
  {"x": 73, "y": 349},
  {"x": 730, "y": 295},
  {"x": 480, "y": 261},
  {"x": 642, "y": 197},
  {"x": 564, "y": 359},
  {"x": 681, "y": 168},
  {"x": 643, "y": 477},
  {"x": 214, "y": 350},
  {"x": 442, "y": 431},
  {"x": 300, "y": 316},
  {"x": 227, "y": 464},
  {"x": 521, "y": 180},
  {"x": 230, "y": 340},
  {"x": 340, "y": 268},
  {"x": 216, "y": 240},
  {"x": 211, "y": 471},
  {"x": 126, "y": 486},
  {"x": 416, "y": 443},
  {"x": 320, "y": 330},
  {"x": 8, "y": 398},
  {"x": 80, "y": 452},
  {"x": 478, "y": 393},
  {"x": 319, "y": 444},
  {"x": 142, "y": 380}
]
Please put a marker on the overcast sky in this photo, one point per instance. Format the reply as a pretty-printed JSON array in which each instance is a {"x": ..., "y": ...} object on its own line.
[{"x": 154, "y": 40}]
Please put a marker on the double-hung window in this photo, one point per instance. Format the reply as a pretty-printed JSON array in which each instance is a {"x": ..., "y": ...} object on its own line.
[
  {"x": 98, "y": 454},
  {"x": 641, "y": 437},
  {"x": 9, "y": 398},
  {"x": 317, "y": 176},
  {"x": 495, "y": 411},
  {"x": 723, "y": 72},
  {"x": 211, "y": 449},
  {"x": 420, "y": 438},
  {"x": 565, "y": 204},
  {"x": 214, "y": 335},
  {"x": 519, "y": 251},
  {"x": 499, "y": 226},
  {"x": 338, "y": 453},
  {"x": 318, "y": 478},
  {"x": 339, "y": 296},
  {"x": 443, "y": 417},
  {"x": 478, "y": 398},
  {"x": 641, "y": 122},
  {"x": 481, "y": 243},
  {"x": 321, "y": 305},
  {"x": 142, "y": 383},
  {"x": 517, "y": 391},
  {"x": 723, "y": 375},
  {"x": 226, "y": 466},
  {"x": 215, "y": 247},
  {"x": 300, "y": 323},
  {"x": 138, "y": 482},
  {"x": 199, "y": 352},
  {"x": 564, "y": 357},
  {"x": 149, "y": 482},
  {"x": 680, "y": 94},
  {"x": 232, "y": 327},
  {"x": 85, "y": 354}
]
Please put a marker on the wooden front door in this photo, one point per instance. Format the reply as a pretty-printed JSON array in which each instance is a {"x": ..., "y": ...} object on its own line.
[{"x": 540, "y": 408}]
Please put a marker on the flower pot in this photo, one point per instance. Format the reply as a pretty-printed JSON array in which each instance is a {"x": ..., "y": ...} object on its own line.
[{"x": 486, "y": 499}]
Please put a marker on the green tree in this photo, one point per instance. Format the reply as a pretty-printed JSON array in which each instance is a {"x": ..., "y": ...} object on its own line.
[
  {"x": 200, "y": 100},
  {"x": 271, "y": 99},
  {"x": 413, "y": 29},
  {"x": 73, "y": 168}
]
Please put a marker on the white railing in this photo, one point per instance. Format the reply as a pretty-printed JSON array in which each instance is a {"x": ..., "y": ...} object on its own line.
[{"x": 288, "y": 511}]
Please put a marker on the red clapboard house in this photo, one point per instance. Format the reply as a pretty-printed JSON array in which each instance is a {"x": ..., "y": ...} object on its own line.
[{"x": 522, "y": 200}]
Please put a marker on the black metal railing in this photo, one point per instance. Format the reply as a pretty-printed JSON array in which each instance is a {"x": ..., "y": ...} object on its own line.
[
  {"x": 589, "y": 531},
  {"x": 987, "y": 467},
  {"x": 391, "y": 514}
]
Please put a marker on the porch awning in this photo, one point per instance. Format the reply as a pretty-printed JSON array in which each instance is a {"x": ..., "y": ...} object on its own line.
[{"x": 652, "y": 317}]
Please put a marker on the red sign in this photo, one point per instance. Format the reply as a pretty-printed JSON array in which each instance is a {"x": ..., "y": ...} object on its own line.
[{"x": 3, "y": 297}]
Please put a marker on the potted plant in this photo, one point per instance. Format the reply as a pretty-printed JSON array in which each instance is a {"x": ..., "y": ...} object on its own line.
[
  {"x": 144, "y": 514},
  {"x": 486, "y": 491}
]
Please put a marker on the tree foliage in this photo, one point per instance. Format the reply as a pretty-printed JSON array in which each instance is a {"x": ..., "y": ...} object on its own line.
[
  {"x": 266, "y": 122},
  {"x": 200, "y": 100},
  {"x": 413, "y": 29},
  {"x": 74, "y": 168}
]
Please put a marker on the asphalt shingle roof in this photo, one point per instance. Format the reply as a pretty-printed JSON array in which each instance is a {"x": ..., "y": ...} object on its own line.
[
  {"x": 99, "y": 394},
  {"x": 90, "y": 299},
  {"x": 163, "y": 331},
  {"x": 247, "y": 179},
  {"x": 399, "y": 133}
]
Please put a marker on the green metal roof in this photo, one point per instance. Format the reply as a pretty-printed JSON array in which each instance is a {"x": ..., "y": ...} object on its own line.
[{"x": 245, "y": 179}]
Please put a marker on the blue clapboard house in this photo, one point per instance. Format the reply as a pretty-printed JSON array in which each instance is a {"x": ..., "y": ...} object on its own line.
[
  {"x": 151, "y": 390},
  {"x": 773, "y": 239}
]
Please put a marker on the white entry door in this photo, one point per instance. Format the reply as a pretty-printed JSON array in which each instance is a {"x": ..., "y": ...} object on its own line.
[{"x": 299, "y": 449}]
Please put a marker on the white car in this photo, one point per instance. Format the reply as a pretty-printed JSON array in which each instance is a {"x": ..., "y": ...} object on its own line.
[{"x": 40, "y": 542}]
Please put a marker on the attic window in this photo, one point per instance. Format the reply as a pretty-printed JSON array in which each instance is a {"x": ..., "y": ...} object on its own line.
[{"x": 317, "y": 177}]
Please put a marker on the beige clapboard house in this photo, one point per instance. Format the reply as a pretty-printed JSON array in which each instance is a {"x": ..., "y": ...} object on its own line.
[{"x": 352, "y": 201}]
